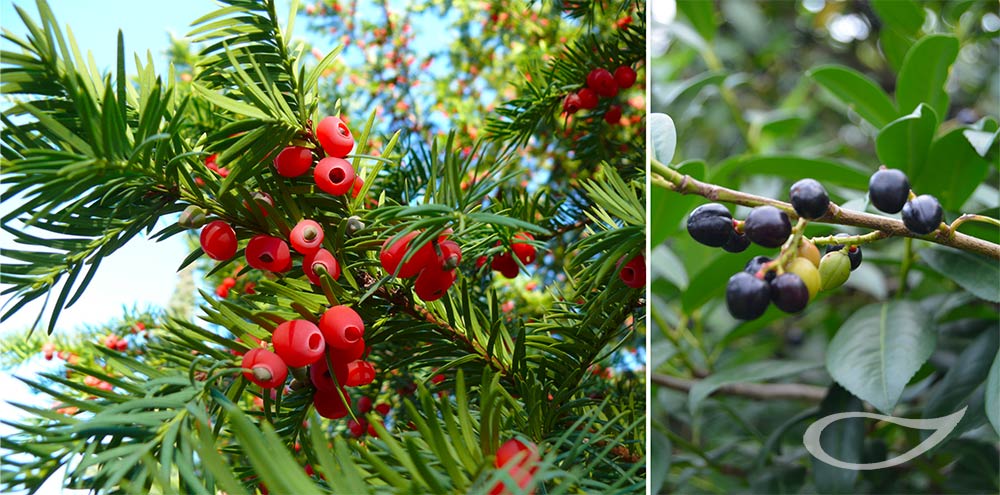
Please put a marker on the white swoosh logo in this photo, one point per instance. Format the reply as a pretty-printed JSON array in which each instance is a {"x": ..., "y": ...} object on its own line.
[{"x": 942, "y": 426}]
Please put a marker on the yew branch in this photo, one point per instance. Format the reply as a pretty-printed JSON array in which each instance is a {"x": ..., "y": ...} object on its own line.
[{"x": 666, "y": 177}]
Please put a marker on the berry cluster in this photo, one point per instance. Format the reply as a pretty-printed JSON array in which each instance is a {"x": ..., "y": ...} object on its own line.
[
  {"x": 520, "y": 459},
  {"x": 360, "y": 426},
  {"x": 797, "y": 274},
  {"x": 792, "y": 279},
  {"x": 601, "y": 83},
  {"x": 505, "y": 263},
  {"x": 337, "y": 341},
  {"x": 333, "y": 174},
  {"x": 435, "y": 263}
]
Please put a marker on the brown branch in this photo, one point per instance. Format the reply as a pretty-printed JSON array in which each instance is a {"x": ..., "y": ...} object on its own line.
[
  {"x": 759, "y": 391},
  {"x": 669, "y": 178}
]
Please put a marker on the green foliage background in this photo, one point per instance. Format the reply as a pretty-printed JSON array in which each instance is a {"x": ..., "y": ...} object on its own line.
[{"x": 762, "y": 94}]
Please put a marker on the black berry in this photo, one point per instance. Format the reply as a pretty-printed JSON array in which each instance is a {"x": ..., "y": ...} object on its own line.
[
  {"x": 747, "y": 296},
  {"x": 767, "y": 226},
  {"x": 756, "y": 263},
  {"x": 789, "y": 293},
  {"x": 888, "y": 190},
  {"x": 737, "y": 243},
  {"x": 922, "y": 214},
  {"x": 809, "y": 199},
  {"x": 711, "y": 224},
  {"x": 853, "y": 252}
]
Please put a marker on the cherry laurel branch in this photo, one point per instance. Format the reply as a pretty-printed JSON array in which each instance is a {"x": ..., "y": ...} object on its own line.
[{"x": 883, "y": 227}]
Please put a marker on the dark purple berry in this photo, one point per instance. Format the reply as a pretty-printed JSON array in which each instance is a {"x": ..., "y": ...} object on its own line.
[
  {"x": 922, "y": 214},
  {"x": 809, "y": 199},
  {"x": 888, "y": 190},
  {"x": 711, "y": 224},
  {"x": 853, "y": 252},
  {"x": 756, "y": 263},
  {"x": 789, "y": 293},
  {"x": 767, "y": 226},
  {"x": 737, "y": 243},
  {"x": 747, "y": 296}
]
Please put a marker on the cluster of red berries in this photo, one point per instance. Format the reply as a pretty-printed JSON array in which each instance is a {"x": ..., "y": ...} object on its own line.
[
  {"x": 49, "y": 351},
  {"x": 601, "y": 83},
  {"x": 359, "y": 427},
  {"x": 333, "y": 174},
  {"x": 520, "y": 248},
  {"x": 93, "y": 381},
  {"x": 435, "y": 263},
  {"x": 265, "y": 252},
  {"x": 337, "y": 341},
  {"x": 229, "y": 283},
  {"x": 114, "y": 342},
  {"x": 520, "y": 459}
]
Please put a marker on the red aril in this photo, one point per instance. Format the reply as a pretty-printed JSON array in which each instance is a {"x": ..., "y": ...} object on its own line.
[
  {"x": 298, "y": 342},
  {"x": 293, "y": 161},
  {"x": 218, "y": 240},
  {"x": 306, "y": 236},
  {"x": 334, "y": 137}
]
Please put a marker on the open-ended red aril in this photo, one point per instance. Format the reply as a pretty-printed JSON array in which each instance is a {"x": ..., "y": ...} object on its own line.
[
  {"x": 266, "y": 368},
  {"x": 342, "y": 327},
  {"x": 306, "y": 237},
  {"x": 321, "y": 259},
  {"x": 298, "y": 342},
  {"x": 268, "y": 253},
  {"x": 293, "y": 161},
  {"x": 334, "y": 176},
  {"x": 335, "y": 137}
]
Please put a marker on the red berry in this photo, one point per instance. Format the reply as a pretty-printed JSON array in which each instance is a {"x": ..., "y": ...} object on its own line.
[
  {"x": 572, "y": 104},
  {"x": 524, "y": 251},
  {"x": 218, "y": 240},
  {"x": 625, "y": 77},
  {"x": 268, "y": 253},
  {"x": 588, "y": 98},
  {"x": 433, "y": 282},
  {"x": 320, "y": 258},
  {"x": 383, "y": 408},
  {"x": 602, "y": 82},
  {"x": 260, "y": 197},
  {"x": 306, "y": 236},
  {"x": 614, "y": 114},
  {"x": 371, "y": 429},
  {"x": 355, "y": 351},
  {"x": 266, "y": 368},
  {"x": 521, "y": 470},
  {"x": 392, "y": 255},
  {"x": 511, "y": 448},
  {"x": 481, "y": 261},
  {"x": 334, "y": 176},
  {"x": 319, "y": 374},
  {"x": 330, "y": 405},
  {"x": 356, "y": 187},
  {"x": 121, "y": 345},
  {"x": 342, "y": 327},
  {"x": 298, "y": 342},
  {"x": 634, "y": 272},
  {"x": 293, "y": 161},
  {"x": 365, "y": 404},
  {"x": 505, "y": 264},
  {"x": 334, "y": 137},
  {"x": 451, "y": 254},
  {"x": 359, "y": 373},
  {"x": 357, "y": 428}
]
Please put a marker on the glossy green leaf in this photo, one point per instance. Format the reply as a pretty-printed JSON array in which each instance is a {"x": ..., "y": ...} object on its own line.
[
  {"x": 972, "y": 272},
  {"x": 905, "y": 143},
  {"x": 963, "y": 384},
  {"x": 878, "y": 349},
  {"x": 894, "y": 45},
  {"x": 669, "y": 207},
  {"x": 702, "y": 16},
  {"x": 924, "y": 72},
  {"x": 665, "y": 264},
  {"x": 856, "y": 91},
  {"x": 664, "y": 135},
  {"x": 843, "y": 440},
  {"x": 793, "y": 167},
  {"x": 905, "y": 15},
  {"x": 952, "y": 171},
  {"x": 993, "y": 394},
  {"x": 681, "y": 91},
  {"x": 754, "y": 372}
]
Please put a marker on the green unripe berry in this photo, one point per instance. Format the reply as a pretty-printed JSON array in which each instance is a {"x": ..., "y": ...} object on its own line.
[
  {"x": 809, "y": 251},
  {"x": 193, "y": 217},
  {"x": 834, "y": 269},
  {"x": 807, "y": 272}
]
